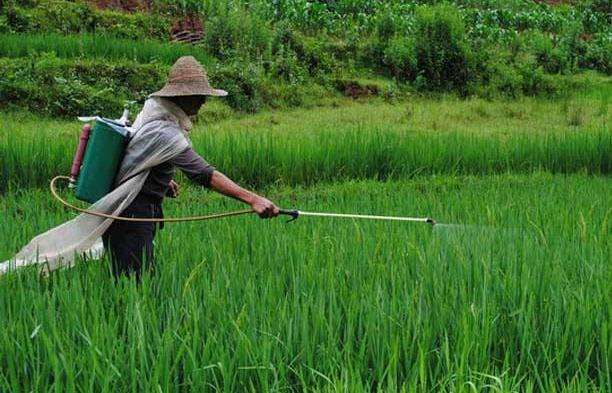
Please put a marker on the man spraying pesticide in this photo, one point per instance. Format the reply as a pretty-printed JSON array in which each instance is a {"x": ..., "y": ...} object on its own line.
[
  {"x": 158, "y": 145},
  {"x": 126, "y": 174},
  {"x": 168, "y": 111}
]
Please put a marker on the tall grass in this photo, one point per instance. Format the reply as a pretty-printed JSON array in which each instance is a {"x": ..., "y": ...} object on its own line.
[
  {"x": 358, "y": 141},
  {"x": 520, "y": 303},
  {"x": 88, "y": 45}
]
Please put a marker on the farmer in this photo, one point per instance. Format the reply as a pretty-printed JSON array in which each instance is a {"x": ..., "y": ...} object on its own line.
[{"x": 131, "y": 243}]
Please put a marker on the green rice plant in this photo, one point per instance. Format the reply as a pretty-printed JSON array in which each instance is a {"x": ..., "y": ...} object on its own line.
[
  {"x": 70, "y": 17},
  {"x": 98, "y": 46},
  {"x": 513, "y": 297},
  {"x": 355, "y": 141}
]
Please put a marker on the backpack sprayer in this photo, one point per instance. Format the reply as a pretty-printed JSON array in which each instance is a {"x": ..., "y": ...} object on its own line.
[
  {"x": 97, "y": 160},
  {"x": 98, "y": 156}
]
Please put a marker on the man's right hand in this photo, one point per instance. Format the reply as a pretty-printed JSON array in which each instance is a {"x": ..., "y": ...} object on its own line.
[
  {"x": 260, "y": 205},
  {"x": 264, "y": 208},
  {"x": 173, "y": 189}
]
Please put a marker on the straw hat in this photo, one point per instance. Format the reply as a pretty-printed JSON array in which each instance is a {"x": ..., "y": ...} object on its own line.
[{"x": 188, "y": 78}]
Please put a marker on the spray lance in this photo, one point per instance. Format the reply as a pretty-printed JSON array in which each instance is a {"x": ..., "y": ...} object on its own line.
[{"x": 99, "y": 154}]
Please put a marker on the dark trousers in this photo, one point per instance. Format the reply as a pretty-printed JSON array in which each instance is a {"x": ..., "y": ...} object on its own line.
[{"x": 130, "y": 244}]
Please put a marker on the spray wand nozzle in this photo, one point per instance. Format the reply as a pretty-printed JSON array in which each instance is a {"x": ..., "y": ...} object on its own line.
[{"x": 295, "y": 214}]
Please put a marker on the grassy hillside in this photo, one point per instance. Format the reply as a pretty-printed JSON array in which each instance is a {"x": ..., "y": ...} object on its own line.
[{"x": 277, "y": 54}]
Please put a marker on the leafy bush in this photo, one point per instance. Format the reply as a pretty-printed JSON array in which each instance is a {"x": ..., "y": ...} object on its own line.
[
  {"x": 287, "y": 67},
  {"x": 62, "y": 87},
  {"x": 387, "y": 26},
  {"x": 243, "y": 82},
  {"x": 323, "y": 54},
  {"x": 511, "y": 76},
  {"x": 133, "y": 26},
  {"x": 400, "y": 57},
  {"x": 553, "y": 58},
  {"x": 598, "y": 53},
  {"x": 72, "y": 87},
  {"x": 64, "y": 97},
  {"x": 504, "y": 80},
  {"x": 317, "y": 55},
  {"x": 442, "y": 55},
  {"x": 534, "y": 81},
  {"x": 232, "y": 31}
]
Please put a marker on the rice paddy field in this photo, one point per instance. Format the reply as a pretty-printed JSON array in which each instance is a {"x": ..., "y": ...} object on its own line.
[
  {"x": 346, "y": 140},
  {"x": 94, "y": 46},
  {"x": 510, "y": 292}
]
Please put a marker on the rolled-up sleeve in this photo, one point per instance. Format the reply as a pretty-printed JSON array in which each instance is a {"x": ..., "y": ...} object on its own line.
[{"x": 194, "y": 167}]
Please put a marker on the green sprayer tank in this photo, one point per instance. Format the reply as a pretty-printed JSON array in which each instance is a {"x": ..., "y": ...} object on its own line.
[{"x": 103, "y": 154}]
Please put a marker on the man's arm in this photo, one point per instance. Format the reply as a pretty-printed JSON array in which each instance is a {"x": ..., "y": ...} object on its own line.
[
  {"x": 260, "y": 205},
  {"x": 201, "y": 172}
]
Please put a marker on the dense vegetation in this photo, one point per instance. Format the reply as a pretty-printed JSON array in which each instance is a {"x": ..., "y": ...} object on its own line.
[{"x": 278, "y": 54}]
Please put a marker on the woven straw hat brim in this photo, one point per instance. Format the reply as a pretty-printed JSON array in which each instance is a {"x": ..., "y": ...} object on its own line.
[{"x": 188, "y": 89}]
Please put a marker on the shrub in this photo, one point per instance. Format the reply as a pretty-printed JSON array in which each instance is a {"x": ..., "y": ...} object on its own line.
[
  {"x": 4, "y": 24},
  {"x": 503, "y": 80},
  {"x": 512, "y": 75},
  {"x": 282, "y": 95},
  {"x": 17, "y": 19},
  {"x": 602, "y": 6},
  {"x": 135, "y": 26},
  {"x": 371, "y": 54},
  {"x": 534, "y": 79},
  {"x": 63, "y": 16},
  {"x": 441, "y": 51},
  {"x": 318, "y": 55},
  {"x": 243, "y": 82},
  {"x": 64, "y": 98},
  {"x": 386, "y": 26},
  {"x": 72, "y": 87},
  {"x": 399, "y": 57},
  {"x": 598, "y": 53},
  {"x": 232, "y": 32},
  {"x": 286, "y": 66},
  {"x": 321, "y": 54},
  {"x": 552, "y": 58}
]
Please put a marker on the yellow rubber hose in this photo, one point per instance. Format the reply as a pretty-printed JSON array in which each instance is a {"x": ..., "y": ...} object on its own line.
[{"x": 170, "y": 219}]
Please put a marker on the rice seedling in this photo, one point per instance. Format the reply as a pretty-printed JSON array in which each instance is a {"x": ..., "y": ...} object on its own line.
[
  {"x": 353, "y": 141},
  {"x": 88, "y": 45},
  {"x": 250, "y": 305}
]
